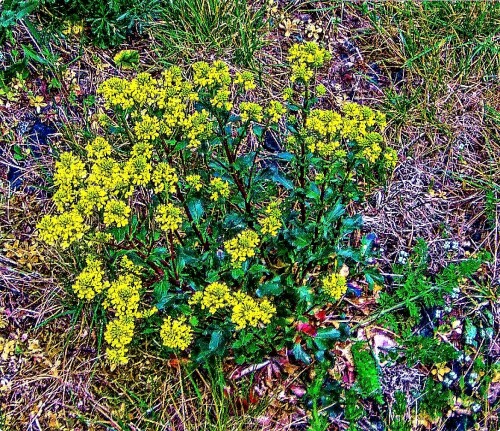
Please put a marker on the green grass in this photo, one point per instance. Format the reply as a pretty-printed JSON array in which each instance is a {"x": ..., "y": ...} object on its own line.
[
  {"x": 438, "y": 45},
  {"x": 191, "y": 29}
]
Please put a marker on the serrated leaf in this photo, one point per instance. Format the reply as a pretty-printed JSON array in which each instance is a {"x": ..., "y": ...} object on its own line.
[{"x": 300, "y": 354}]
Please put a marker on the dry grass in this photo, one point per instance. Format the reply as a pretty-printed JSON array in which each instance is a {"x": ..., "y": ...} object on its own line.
[{"x": 445, "y": 128}]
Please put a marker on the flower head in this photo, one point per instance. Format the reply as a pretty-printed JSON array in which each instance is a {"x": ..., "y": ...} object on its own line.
[
  {"x": 334, "y": 285},
  {"x": 243, "y": 246},
  {"x": 176, "y": 334},
  {"x": 169, "y": 217}
]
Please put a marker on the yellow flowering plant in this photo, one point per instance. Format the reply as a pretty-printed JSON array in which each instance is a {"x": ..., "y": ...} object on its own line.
[{"x": 196, "y": 229}]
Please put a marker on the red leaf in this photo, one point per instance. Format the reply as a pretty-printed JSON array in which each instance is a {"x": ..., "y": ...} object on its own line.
[
  {"x": 320, "y": 315},
  {"x": 306, "y": 328}
]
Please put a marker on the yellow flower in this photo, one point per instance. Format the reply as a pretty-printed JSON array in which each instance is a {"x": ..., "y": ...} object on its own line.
[
  {"x": 250, "y": 111},
  {"x": 138, "y": 170},
  {"x": 63, "y": 229},
  {"x": 143, "y": 149},
  {"x": 90, "y": 282},
  {"x": 391, "y": 158},
  {"x": 92, "y": 197},
  {"x": 98, "y": 148},
  {"x": 243, "y": 246},
  {"x": 271, "y": 222},
  {"x": 249, "y": 312},
  {"x": 164, "y": 178},
  {"x": 215, "y": 297},
  {"x": 37, "y": 102},
  {"x": 275, "y": 111},
  {"x": 219, "y": 188},
  {"x": 147, "y": 129},
  {"x": 169, "y": 217},
  {"x": 194, "y": 181},
  {"x": 246, "y": 80},
  {"x": 116, "y": 212},
  {"x": 119, "y": 332},
  {"x": 117, "y": 356},
  {"x": 372, "y": 153},
  {"x": 221, "y": 100},
  {"x": 176, "y": 334},
  {"x": 123, "y": 295},
  {"x": 70, "y": 170},
  {"x": 335, "y": 286}
]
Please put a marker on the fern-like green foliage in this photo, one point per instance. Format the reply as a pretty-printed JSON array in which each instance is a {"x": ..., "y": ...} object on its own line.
[
  {"x": 427, "y": 350},
  {"x": 417, "y": 289},
  {"x": 436, "y": 399},
  {"x": 367, "y": 379}
]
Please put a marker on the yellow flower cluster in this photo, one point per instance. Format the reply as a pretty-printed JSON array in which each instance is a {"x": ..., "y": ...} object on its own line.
[
  {"x": 173, "y": 96},
  {"x": 304, "y": 58},
  {"x": 245, "y": 310},
  {"x": 323, "y": 127},
  {"x": 271, "y": 222},
  {"x": 221, "y": 100},
  {"x": 217, "y": 74},
  {"x": 176, "y": 334},
  {"x": 148, "y": 128},
  {"x": 119, "y": 332},
  {"x": 123, "y": 297},
  {"x": 335, "y": 286},
  {"x": 216, "y": 296},
  {"x": 275, "y": 110},
  {"x": 63, "y": 229},
  {"x": 98, "y": 148},
  {"x": 246, "y": 80},
  {"x": 164, "y": 178},
  {"x": 391, "y": 158},
  {"x": 138, "y": 170},
  {"x": 116, "y": 212},
  {"x": 70, "y": 171},
  {"x": 219, "y": 189},
  {"x": 168, "y": 216},
  {"x": 325, "y": 130},
  {"x": 242, "y": 246},
  {"x": 197, "y": 126},
  {"x": 90, "y": 282},
  {"x": 249, "y": 312},
  {"x": 250, "y": 111},
  {"x": 194, "y": 181}
]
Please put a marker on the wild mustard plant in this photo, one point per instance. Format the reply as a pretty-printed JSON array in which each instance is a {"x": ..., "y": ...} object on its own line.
[{"x": 195, "y": 233}]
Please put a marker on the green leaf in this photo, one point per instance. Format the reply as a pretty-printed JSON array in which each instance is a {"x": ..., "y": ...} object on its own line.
[
  {"x": 334, "y": 213},
  {"x": 287, "y": 157},
  {"x": 294, "y": 108},
  {"x": 470, "y": 333},
  {"x": 258, "y": 130},
  {"x": 119, "y": 233},
  {"x": 279, "y": 178},
  {"x": 300, "y": 354},
  {"x": 328, "y": 334},
  {"x": 313, "y": 192},
  {"x": 271, "y": 288},
  {"x": 216, "y": 340},
  {"x": 195, "y": 207},
  {"x": 237, "y": 273},
  {"x": 301, "y": 241},
  {"x": 258, "y": 269},
  {"x": 161, "y": 294}
]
